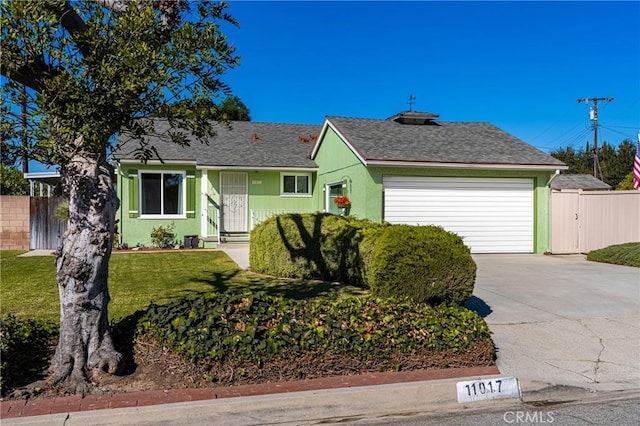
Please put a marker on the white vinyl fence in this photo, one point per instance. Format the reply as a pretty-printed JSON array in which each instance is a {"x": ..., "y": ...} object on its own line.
[{"x": 582, "y": 221}]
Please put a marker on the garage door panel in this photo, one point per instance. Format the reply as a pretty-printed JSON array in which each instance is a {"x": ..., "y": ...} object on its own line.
[{"x": 491, "y": 214}]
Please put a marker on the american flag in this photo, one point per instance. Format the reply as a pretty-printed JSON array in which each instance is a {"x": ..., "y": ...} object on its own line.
[{"x": 636, "y": 166}]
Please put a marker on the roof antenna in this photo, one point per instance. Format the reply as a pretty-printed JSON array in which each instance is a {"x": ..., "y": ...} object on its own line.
[{"x": 411, "y": 101}]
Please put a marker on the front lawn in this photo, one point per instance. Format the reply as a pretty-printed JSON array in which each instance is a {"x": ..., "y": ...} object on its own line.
[
  {"x": 192, "y": 318},
  {"x": 621, "y": 254},
  {"x": 28, "y": 287}
]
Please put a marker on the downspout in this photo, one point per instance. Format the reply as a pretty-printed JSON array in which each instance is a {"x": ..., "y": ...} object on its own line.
[
  {"x": 550, "y": 226},
  {"x": 555, "y": 175}
]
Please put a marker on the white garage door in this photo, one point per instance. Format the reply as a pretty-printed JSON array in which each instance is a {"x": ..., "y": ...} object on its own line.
[{"x": 493, "y": 215}]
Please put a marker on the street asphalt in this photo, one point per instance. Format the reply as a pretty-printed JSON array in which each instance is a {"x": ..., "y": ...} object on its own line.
[{"x": 565, "y": 328}]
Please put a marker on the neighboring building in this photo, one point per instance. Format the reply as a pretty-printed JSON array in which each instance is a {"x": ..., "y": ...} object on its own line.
[
  {"x": 579, "y": 181},
  {"x": 42, "y": 184},
  {"x": 471, "y": 178}
]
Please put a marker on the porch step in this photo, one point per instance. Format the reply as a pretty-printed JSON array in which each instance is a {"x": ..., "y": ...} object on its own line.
[{"x": 229, "y": 239}]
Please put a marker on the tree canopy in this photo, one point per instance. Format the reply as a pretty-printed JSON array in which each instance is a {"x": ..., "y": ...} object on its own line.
[
  {"x": 102, "y": 67},
  {"x": 615, "y": 163}
]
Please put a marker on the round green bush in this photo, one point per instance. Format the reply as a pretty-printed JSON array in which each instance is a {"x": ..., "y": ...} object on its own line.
[
  {"x": 308, "y": 246},
  {"x": 423, "y": 263}
]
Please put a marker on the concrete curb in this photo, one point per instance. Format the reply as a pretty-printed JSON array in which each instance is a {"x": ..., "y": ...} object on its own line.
[
  {"x": 342, "y": 405},
  {"x": 40, "y": 406}
]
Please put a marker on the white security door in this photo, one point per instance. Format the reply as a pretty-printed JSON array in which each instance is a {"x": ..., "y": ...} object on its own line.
[
  {"x": 493, "y": 215},
  {"x": 233, "y": 193}
]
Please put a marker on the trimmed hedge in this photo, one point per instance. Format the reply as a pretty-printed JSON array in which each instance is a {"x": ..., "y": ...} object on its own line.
[
  {"x": 257, "y": 327},
  {"x": 309, "y": 246},
  {"x": 423, "y": 263}
]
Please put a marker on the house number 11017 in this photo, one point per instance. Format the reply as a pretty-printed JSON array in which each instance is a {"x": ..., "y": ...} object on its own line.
[
  {"x": 482, "y": 388},
  {"x": 479, "y": 390}
]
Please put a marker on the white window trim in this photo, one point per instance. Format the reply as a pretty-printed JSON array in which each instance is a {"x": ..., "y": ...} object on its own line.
[
  {"x": 290, "y": 194},
  {"x": 184, "y": 195}
]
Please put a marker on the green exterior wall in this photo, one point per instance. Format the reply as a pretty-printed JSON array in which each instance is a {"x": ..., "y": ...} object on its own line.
[
  {"x": 136, "y": 231},
  {"x": 263, "y": 191},
  {"x": 336, "y": 160},
  {"x": 336, "y": 164}
]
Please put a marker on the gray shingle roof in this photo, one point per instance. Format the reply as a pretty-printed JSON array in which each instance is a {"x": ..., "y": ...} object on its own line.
[
  {"x": 578, "y": 182},
  {"x": 274, "y": 145},
  {"x": 444, "y": 142}
]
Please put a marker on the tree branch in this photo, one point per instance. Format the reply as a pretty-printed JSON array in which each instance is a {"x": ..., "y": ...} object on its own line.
[
  {"x": 32, "y": 74},
  {"x": 72, "y": 22}
]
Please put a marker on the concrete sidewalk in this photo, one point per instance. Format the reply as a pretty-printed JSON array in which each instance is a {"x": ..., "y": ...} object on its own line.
[{"x": 238, "y": 252}]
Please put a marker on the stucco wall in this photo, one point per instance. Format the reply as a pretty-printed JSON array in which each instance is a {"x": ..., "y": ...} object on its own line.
[
  {"x": 263, "y": 194},
  {"x": 14, "y": 222},
  {"x": 336, "y": 160}
]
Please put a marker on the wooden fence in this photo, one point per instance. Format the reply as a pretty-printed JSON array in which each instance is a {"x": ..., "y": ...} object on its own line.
[
  {"x": 45, "y": 230},
  {"x": 582, "y": 221}
]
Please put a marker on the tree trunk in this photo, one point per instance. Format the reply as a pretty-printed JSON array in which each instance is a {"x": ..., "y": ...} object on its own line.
[{"x": 82, "y": 267}]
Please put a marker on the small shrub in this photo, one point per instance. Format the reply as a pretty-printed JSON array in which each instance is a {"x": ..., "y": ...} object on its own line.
[
  {"x": 62, "y": 211},
  {"x": 163, "y": 236},
  {"x": 423, "y": 263},
  {"x": 24, "y": 350}
]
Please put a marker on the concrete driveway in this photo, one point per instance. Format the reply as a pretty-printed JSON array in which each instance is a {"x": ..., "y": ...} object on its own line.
[{"x": 562, "y": 319}]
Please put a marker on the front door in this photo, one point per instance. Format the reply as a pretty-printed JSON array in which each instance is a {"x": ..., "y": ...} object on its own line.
[
  {"x": 233, "y": 193},
  {"x": 333, "y": 190}
]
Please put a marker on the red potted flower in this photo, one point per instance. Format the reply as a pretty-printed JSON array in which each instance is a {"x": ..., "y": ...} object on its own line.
[{"x": 341, "y": 201}]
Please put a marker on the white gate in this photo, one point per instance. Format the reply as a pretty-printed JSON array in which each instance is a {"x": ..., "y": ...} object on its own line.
[{"x": 582, "y": 221}]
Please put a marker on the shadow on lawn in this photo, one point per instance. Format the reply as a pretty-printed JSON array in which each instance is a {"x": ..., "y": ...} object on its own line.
[{"x": 241, "y": 281}]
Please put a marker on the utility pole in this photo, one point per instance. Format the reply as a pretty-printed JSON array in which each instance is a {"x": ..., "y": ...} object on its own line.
[
  {"x": 23, "y": 133},
  {"x": 594, "y": 118}
]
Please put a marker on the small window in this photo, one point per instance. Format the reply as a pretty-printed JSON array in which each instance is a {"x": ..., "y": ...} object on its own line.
[
  {"x": 296, "y": 184},
  {"x": 162, "y": 194}
]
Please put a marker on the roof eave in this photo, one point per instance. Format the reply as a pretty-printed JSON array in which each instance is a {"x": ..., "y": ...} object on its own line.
[
  {"x": 129, "y": 161},
  {"x": 260, "y": 168},
  {"x": 476, "y": 166}
]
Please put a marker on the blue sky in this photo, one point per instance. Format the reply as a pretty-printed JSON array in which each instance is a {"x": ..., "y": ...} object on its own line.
[{"x": 519, "y": 65}]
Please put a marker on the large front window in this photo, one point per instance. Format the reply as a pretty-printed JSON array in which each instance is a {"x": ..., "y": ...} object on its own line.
[
  {"x": 296, "y": 184},
  {"x": 162, "y": 193}
]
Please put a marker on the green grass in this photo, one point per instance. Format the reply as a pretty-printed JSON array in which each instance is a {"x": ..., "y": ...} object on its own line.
[
  {"x": 622, "y": 254},
  {"x": 28, "y": 287}
]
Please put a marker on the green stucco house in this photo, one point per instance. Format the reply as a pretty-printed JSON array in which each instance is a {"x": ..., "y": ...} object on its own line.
[{"x": 470, "y": 178}]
